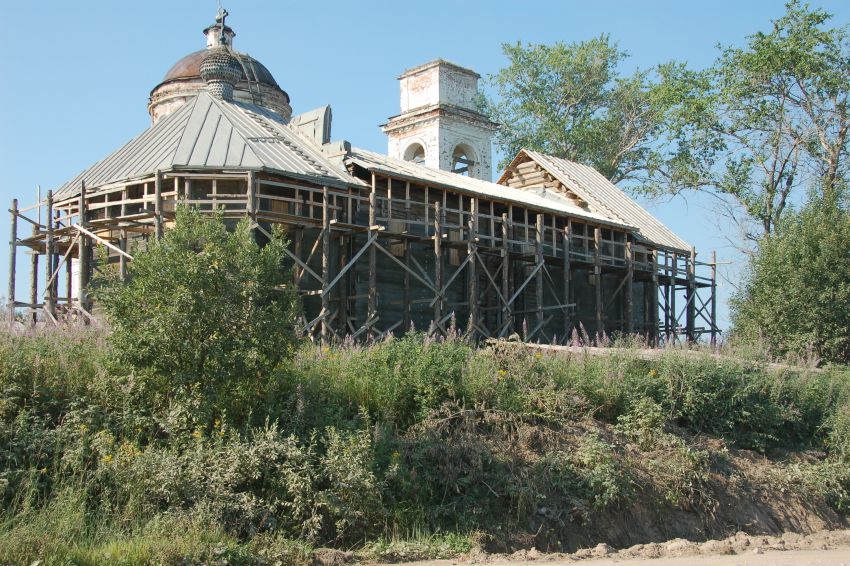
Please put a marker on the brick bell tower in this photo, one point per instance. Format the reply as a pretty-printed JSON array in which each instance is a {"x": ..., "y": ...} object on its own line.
[{"x": 440, "y": 125}]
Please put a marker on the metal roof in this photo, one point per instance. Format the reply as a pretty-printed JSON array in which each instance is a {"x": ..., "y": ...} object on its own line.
[
  {"x": 606, "y": 198},
  {"x": 408, "y": 170},
  {"x": 208, "y": 133}
]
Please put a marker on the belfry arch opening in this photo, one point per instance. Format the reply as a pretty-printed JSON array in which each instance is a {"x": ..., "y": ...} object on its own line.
[
  {"x": 415, "y": 153},
  {"x": 463, "y": 159}
]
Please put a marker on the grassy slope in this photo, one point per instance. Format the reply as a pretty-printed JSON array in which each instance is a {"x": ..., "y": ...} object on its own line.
[{"x": 408, "y": 448}]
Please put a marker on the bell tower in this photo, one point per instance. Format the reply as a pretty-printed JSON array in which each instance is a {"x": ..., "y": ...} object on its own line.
[{"x": 440, "y": 125}]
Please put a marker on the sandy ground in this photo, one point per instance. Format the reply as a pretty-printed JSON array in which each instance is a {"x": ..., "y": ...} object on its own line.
[
  {"x": 835, "y": 557},
  {"x": 825, "y": 548}
]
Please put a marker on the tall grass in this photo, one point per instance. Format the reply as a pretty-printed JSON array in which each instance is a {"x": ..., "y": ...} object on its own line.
[{"x": 349, "y": 446}]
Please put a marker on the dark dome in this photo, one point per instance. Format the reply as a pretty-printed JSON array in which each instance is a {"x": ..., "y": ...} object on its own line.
[{"x": 189, "y": 67}]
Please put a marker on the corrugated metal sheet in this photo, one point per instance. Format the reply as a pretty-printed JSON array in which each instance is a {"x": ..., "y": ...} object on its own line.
[
  {"x": 605, "y": 197},
  {"x": 398, "y": 168},
  {"x": 207, "y": 133}
]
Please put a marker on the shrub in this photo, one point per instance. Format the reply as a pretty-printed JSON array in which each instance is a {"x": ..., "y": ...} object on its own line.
[{"x": 204, "y": 311}]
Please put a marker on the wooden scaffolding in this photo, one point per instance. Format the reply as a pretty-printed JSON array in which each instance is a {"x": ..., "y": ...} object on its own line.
[{"x": 390, "y": 255}]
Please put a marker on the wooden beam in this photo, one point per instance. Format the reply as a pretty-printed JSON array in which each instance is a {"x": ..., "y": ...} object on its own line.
[
  {"x": 83, "y": 252},
  {"x": 507, "y": 315},
  {"x": 597, "y": 272},
  {"x": 372, "y": 299},
  {"x": 472, "y": 252},
  {"x": 13, "y": 256},
  {"x": 34, "y": 280},
  {"x": 567, "y": 277},
  {"x": 714, "y": 298},
  {"x": 326, "y": 264},
  {"x": 690, "y": 317},
  {"x": 538, "y": 286},
  {"x": 630, "y": 267},
  {"x": 438, "y": 264},
  {"x": 653, "y": 299},
  {"x": 157, "y": 204},
  {"x": 49, "y": 306}
]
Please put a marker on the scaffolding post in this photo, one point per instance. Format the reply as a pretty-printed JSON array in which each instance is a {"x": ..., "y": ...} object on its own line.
[
  {"x": 507, "y": 317},
  {"x": 690, "y": 317},
  {"x": 538, "y": 284},
  {"x": 372, "y": 307},
  {"x": 629, "y": 290},
  {"x": 157, "y": 204},
  {"x": 568, "y": 229},
  {"x": 438, "y": 265},
  {"x": 653, "y": 300},
  {"x": 13, "y": 257},
  {"x": 326, "y": 264},
  {"x": 597, "y": 272},
  {"x": 49, "y": 306},
  {"x": 714, "y": 298},
  {"x": 83, "y": 252},
  {"x": 472, "y": 252}
]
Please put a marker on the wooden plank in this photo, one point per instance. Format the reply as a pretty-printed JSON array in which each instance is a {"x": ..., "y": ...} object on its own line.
[
  {"x": 472, "y": 252},
  {"x": 538, "y": 286},
  {"x": 372, "y": 300},
  {"x": 630, "y": 273}
]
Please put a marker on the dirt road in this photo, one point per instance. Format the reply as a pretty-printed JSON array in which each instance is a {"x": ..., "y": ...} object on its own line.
[
  {"x": 834, "y": 557},
  {"x": 825, "y": 548}
]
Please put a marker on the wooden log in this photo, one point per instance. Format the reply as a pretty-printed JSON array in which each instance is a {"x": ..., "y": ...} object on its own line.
[
  {"x": 251, "y": 204},
  {"x": 83, "y": 253},
  {"x": 714, "y": 297},
  {"x": 690, "y": 317},
  {"x": 472, "y": 252},
  {"x": 674, "y": 315},
  {"x": 157, "y": 204},
  {"x": 13, "y": 257},
  {"x": 49, "y": 306},
  {"x": 597, "y": 271},
  {"x": 507, "y": 317},
  {"x": 34, "y": 279},
  {"x": 438, "y": 265},
  {"x": 538, "y": 285},
  {"x": 567, "y": 276},
  {"x": 653, "y": 300},
  {"x": 406, "y": 293},
  {"x": 326, "y": 264},
  {"x": 372, "y": 300},
  {"x": 628, "y": 327}
]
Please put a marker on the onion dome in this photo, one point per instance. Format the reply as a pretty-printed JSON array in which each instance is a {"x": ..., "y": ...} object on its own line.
[{"x": 221, "y": 71}]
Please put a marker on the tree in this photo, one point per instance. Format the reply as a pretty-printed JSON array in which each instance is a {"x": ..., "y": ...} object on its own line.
[
  {"x": 202, "y": 309},
  {"x": 796, "y": 296},
  {"x": 568, "y": 100},
  {"x": 765, "y": 120}
]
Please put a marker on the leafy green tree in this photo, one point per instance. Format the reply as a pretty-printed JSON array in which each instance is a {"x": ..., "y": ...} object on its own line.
[
  {"x": 569, "y": 100},
  {"x": 204, "y": 309},
  {"x": 764, "y": 120},
  {"x": 796, "y": 297}
]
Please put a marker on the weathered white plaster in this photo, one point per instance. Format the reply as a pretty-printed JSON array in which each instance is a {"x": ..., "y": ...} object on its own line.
[{"x": 438, "y": 111}]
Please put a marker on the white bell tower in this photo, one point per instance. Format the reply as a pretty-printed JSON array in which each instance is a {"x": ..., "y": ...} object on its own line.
[{"x": 440, "y": 125}]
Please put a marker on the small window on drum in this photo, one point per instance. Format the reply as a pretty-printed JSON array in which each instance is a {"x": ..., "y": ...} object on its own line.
[
  {"x": 462, "y": 160},
  {"x": 415, "y": 153}
]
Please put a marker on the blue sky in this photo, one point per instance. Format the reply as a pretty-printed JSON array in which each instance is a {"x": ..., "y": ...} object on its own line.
[{"x": 76, "y": 75}]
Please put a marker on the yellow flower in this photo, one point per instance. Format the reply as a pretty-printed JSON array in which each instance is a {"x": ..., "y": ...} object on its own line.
[
  {"x": 503, "y": 372},
  {"x": 42, "y": 470},
  {"x": 106, "y": 459},
  {"x": 396, "y": 455},
  {"x": 196, "y": 435},
  {"x": 652, "y": 373},
  {"x": 538, "y": 355}
]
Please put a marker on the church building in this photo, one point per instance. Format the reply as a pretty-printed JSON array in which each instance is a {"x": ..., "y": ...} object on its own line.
[{"x": 417, "y": 238}]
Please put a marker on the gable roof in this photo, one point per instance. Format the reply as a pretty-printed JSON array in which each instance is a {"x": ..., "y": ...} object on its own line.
[
  {"x": 208, "y": 133},
  {"x": 604, "y": 197},
  {"x": 413, "y": 172}
]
